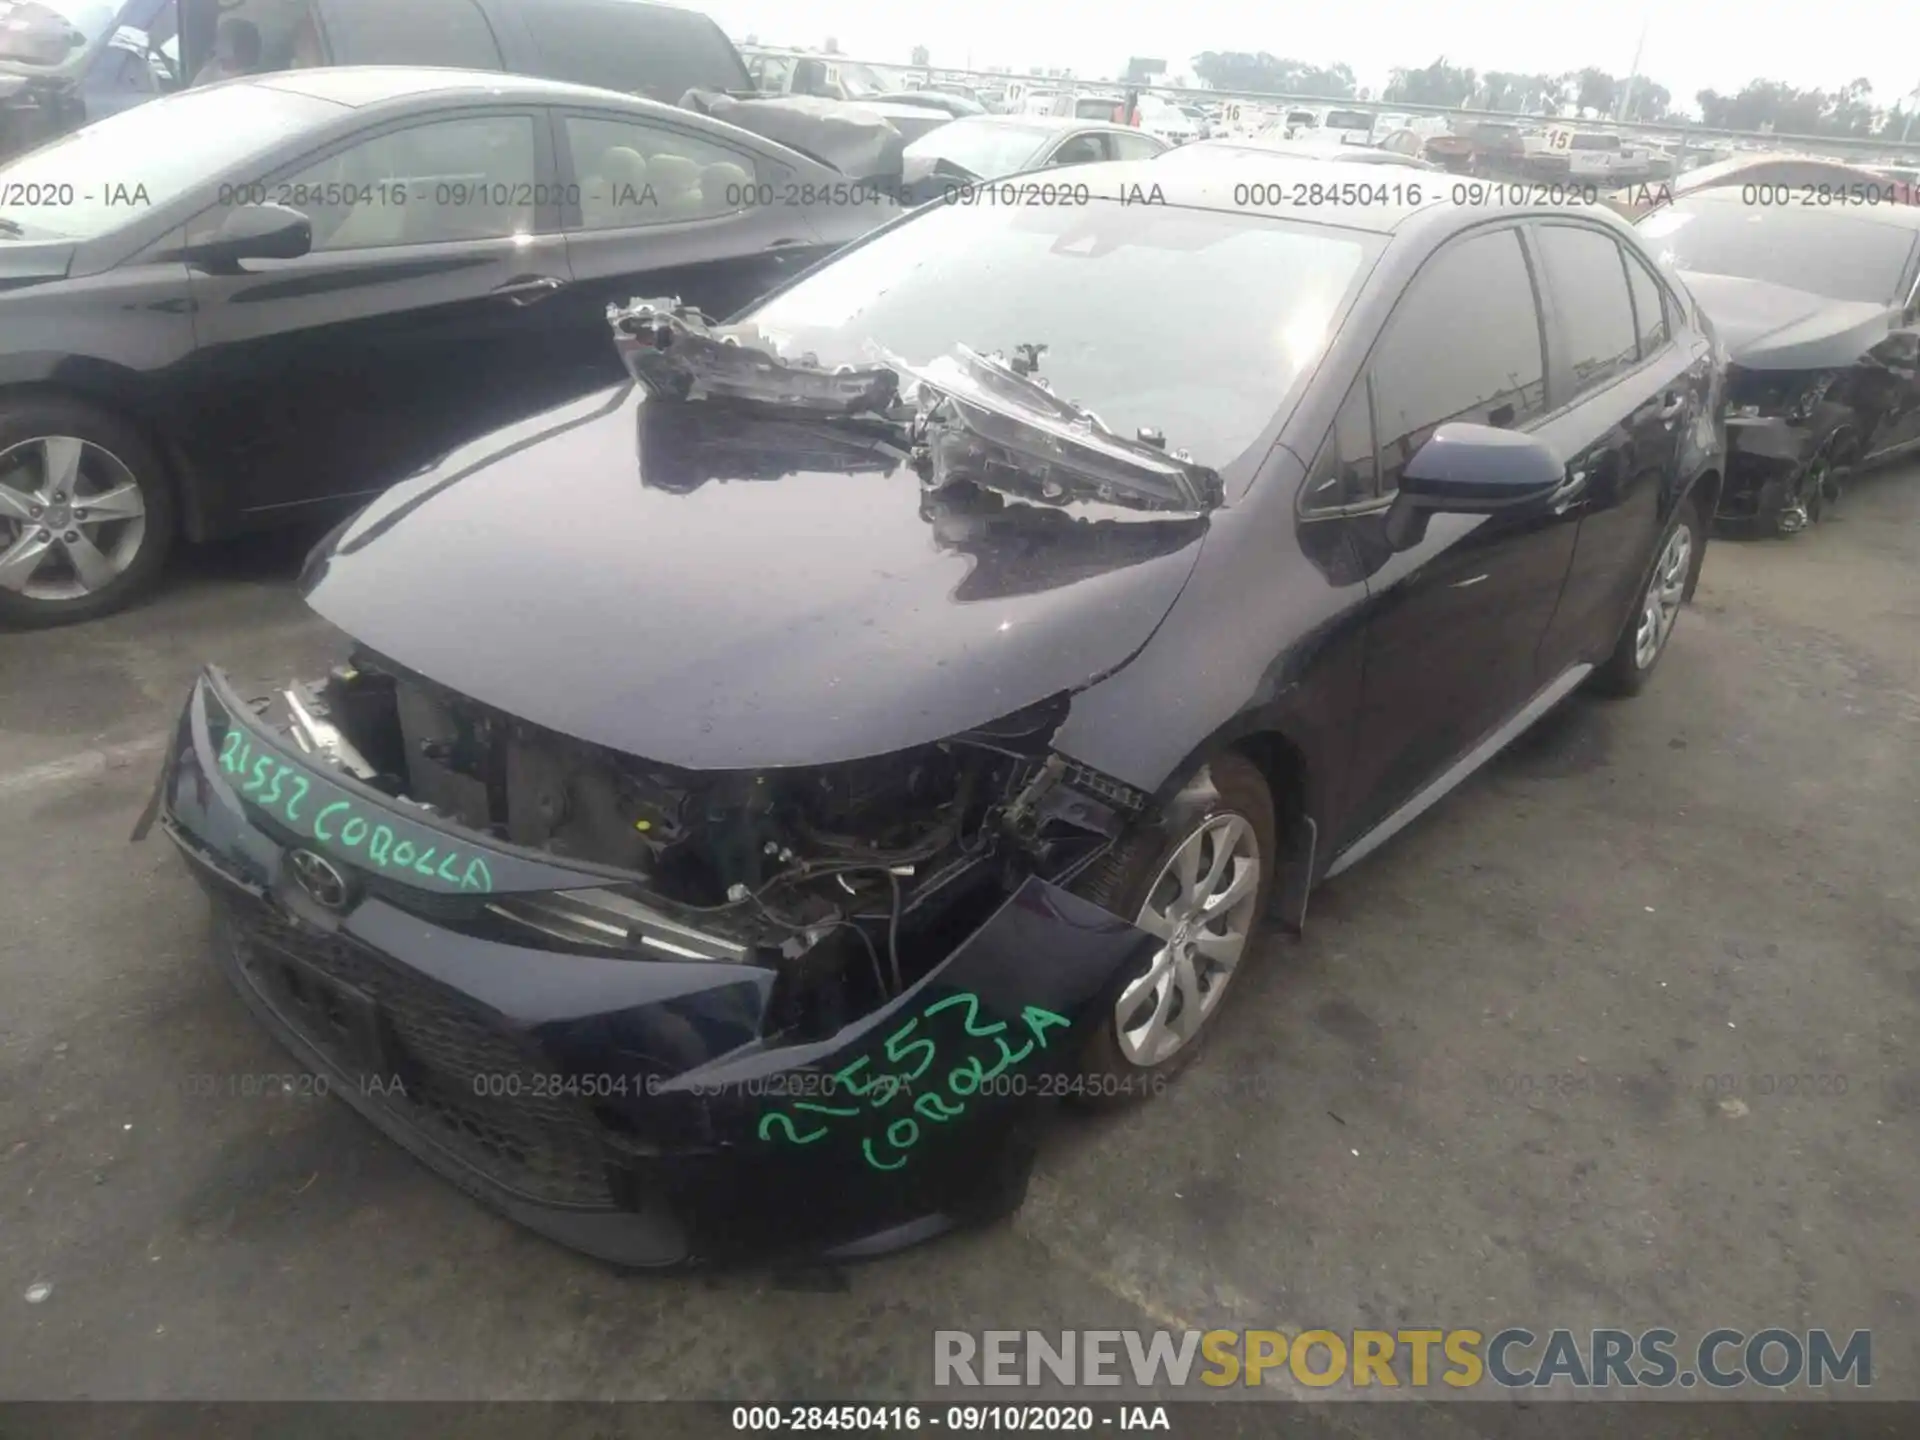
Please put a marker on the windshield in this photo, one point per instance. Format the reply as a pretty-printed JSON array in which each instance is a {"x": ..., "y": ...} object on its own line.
[
  {"x": 46, "y": 33},
  {"x": 1843, "y": 257},
  {"x": 860, "y": 82},
  {"x": 1349, "y": 120},
  {"x": 1252, "y": 298},
  {"x": 165, "y": 148},
  {"x": 1596, "y": 142},
  {"x": 1094, "y": 109},
  {"x": 983, "y": 148}
]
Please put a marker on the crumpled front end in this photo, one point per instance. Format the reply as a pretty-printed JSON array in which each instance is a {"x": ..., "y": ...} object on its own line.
[
  {"x": 660, "y": 1017},
  {"x": 1782, "y": 422}
]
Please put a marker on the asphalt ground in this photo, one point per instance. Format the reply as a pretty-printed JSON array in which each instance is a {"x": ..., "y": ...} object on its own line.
[{"x": 1622, "y": 1034}]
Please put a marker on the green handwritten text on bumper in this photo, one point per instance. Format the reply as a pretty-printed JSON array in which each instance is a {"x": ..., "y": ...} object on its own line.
[
  {"x": 287, "y": 795},
  {"x": 914, "y": 1054}
]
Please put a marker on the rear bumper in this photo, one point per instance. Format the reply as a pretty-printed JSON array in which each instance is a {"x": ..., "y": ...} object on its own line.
[{"x": 633, "y": 1109}]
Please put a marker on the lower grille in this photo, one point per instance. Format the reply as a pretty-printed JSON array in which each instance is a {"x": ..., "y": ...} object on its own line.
[{"x": 446, "y": 1067}]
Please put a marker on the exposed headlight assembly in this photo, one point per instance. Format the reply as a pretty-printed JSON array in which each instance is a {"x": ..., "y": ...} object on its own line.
[{"x": 1793, "y": 401}]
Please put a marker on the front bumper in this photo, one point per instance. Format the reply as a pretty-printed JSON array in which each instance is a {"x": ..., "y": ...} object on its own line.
[
  {"x": 632, "y": 1109},
  {"x": 1765, "y": 460}
]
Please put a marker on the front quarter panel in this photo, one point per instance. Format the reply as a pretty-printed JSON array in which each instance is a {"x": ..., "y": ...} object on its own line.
[{"x": 1265, "y": 637}]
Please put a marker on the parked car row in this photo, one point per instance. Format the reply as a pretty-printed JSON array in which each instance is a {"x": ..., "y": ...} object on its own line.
[{"x": 430, "y": 253}]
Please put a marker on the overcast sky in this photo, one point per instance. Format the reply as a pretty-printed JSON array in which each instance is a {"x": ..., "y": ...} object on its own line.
[{"x": 1716, "y": 44}]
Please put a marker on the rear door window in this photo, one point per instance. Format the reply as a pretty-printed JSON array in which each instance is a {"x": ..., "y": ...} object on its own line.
[
  {"x": 636, "y": 174},
  {"x": 1591, "y": 300},
  {"x": 1088, "y": 148},
  {"x": 1427, "y": 372},
  {"x": 652, "y": 50},
  {"x": 1134, "y": 146}
]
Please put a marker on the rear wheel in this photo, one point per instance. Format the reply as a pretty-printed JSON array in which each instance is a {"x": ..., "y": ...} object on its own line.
[
  {"x": 1644, "y": 640},
  {"x": 1198, "y": 879},
  {"x": 86, "y": 514}
]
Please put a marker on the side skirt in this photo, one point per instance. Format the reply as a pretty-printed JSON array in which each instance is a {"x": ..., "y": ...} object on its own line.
[{"x": 1435, "y": 791}]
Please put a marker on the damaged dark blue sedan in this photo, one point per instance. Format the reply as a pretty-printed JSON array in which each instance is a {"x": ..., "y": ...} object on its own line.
[{"x": 746, "y": 793}]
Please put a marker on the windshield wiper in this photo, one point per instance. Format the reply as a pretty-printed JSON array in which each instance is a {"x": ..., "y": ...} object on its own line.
[
  {"x": 677, "y": 354},
  {"x": 11, "y": 227},
  {"x": 990, "y": 420}
]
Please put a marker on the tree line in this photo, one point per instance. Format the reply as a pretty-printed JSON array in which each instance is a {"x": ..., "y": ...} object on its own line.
[{"x": 1590, "y": 93}]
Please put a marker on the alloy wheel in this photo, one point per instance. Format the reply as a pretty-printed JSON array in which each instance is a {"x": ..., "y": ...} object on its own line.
[
  {"x": 1201, "y": 906},
  {"x": 1665, "y": 593},
  {"x": 72, "y": 518}
]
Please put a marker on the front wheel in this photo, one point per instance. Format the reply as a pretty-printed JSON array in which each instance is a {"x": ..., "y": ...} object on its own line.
[
  {"x": 1644, "y": 640},
  {"x": 1198, "y": 878},
  {"x": 86, "y": 513}
]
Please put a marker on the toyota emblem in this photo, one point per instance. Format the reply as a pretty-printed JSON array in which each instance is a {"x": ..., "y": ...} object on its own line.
[{"x": 320, "y": 878}]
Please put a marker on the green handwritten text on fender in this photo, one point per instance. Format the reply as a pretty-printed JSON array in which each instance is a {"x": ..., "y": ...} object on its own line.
[
  {"x": 387, "y": 846},
  {"x": 901, "y": 1117}
]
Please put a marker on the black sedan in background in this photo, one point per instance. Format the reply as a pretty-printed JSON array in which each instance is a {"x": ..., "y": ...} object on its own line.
[
  {"x": 237, "y": 304},
  {"x": 897, "y": 741},
  {"x": 1816, "y": 297}
]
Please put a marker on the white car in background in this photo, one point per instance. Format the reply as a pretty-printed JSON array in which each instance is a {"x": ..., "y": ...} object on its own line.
[
  {"x": 1241, "y": 119},
  {"x": 1334, "y": 123},
  {"x": 1166, "y": 121}
]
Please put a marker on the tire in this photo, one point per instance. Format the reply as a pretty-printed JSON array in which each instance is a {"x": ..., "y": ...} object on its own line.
[
  {"x": 1631, "y": 666},
  {"x": 101, "y": 455},
  {"x": 1113, "y": 1067}
]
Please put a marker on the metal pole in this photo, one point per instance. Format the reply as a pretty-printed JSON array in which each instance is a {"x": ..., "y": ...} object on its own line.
[
  {"x": 1907, "y": 129},
  {"x": 1626, "y": 93}
]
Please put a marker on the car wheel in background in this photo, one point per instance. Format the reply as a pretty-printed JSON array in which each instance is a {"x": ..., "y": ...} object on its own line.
[
  {"x": 86, "y": 512},
  {"x": 1198, "y": 877},
  {"x": 1650, "y": 626}
]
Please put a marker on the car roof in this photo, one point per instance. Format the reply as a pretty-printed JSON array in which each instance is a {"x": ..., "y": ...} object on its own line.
[
  {"x": 1278, "y": 145},
  {"x": 1895, "y": 216},
  {"x": 361, "y": 85},
  {"x": 1747, "y": 159},
  {"x": 1033, "y": 122},
  {"x": 1389, "y": 206}
]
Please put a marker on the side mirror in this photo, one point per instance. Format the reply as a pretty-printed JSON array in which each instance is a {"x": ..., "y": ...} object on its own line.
[
  {"x": 253, "y": 232},
  {"x": 1467, "y": 469}
]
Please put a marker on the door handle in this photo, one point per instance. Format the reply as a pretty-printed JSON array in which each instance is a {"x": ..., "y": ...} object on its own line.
[{"x": 525, "y": 292}]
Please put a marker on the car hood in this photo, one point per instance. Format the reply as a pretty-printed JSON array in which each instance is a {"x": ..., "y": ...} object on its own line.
[
  {"x": 709, "y": 590},
  {"x": 1775, "y": 327}
]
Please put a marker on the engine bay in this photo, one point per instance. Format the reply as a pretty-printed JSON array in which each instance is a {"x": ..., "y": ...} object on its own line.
[{"x": 851, "y": 879}]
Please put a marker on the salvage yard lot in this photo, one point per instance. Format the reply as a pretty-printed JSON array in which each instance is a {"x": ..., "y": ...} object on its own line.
[{"x": 1495, "y": 1084}]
